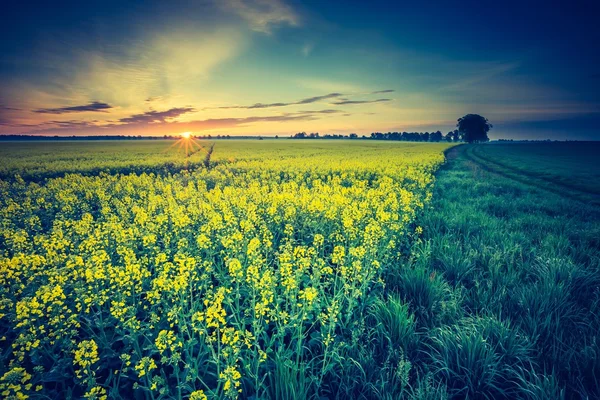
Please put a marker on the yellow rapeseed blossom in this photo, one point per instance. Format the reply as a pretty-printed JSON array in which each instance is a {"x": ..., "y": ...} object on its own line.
[
  {"x": 145, "y": 365},
  {"x": 166, "y": 340},
  {"x": 198, "y": 395},
  {"x": 231, "y": 381},
  {"x": 96, "y": 393},
  {"x": 86, "y": 354},
  {"x": 198, "y": 275},
  {"x": 15, "y": 384}
]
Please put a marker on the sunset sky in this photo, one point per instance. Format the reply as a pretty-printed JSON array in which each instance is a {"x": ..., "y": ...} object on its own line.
[{"x": 267, "y": 67}]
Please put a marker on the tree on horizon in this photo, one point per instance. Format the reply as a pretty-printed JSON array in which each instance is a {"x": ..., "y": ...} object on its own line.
[{"x": 474, "y": 128}]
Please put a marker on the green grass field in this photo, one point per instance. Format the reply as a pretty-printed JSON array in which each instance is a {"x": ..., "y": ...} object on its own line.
[
  {"x": 571, "y": 168},
  {"x": 512, "y": 243},
  {"x": 281, "y": 269}
]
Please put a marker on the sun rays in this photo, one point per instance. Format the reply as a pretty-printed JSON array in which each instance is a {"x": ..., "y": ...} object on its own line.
[{"x": 188, "y": 144}]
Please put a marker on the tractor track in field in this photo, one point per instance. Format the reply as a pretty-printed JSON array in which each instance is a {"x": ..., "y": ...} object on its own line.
[
  {"x": 573, "y": 193},
  {"x": 534, "y": 176}
]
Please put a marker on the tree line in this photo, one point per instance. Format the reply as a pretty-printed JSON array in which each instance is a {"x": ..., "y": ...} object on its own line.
[
  {"x": 437, "y": 136},
  {"x": 472, "y": 128}
]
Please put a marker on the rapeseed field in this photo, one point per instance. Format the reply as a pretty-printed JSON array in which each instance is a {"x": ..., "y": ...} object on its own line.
[{"x": 250, "y": 275}]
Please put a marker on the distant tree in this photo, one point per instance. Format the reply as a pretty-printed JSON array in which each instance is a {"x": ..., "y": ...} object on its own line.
[
  {"x": 435, "y": 136},
  {"x": 448, "y": 136},
  {"x": 455, "y": 135},
  {"x": 474, "y": 128},
  {"x": 353, "y": 136}
]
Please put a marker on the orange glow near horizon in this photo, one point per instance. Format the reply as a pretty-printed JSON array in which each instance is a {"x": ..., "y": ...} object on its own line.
[{"x": 186, "y": 135}]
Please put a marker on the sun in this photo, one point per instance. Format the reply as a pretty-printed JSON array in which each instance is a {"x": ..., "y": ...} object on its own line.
[{"x": 186, "y": 135}]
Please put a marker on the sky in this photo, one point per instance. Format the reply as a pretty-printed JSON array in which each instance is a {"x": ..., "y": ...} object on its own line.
[{"x": 277, "y": 67}]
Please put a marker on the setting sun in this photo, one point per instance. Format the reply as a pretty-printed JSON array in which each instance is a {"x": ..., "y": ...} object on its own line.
[{"x": 186, "y": 135}]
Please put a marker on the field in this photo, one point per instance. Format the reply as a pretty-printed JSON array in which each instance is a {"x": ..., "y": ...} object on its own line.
[
  {"x": 510, "y": 240},
  {"x": 571, "y": 168},
  {"x": 251, "y": 274},
  {"x": 283, "y": 269}
]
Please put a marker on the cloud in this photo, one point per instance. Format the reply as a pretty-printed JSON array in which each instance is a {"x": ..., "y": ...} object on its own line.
[
  {"x": 346, "y": 101},
  {"x": 270, "y": 105},
  {"x": 308, "y": 100},
  {"x": 160, "y": 123},
  {"x": 95, "y": 106},
  {"x": 5, "y": 108},
  {"x": 319, "y": 98},
  {"x": 53, "y": 124},
  {"x": 164, "y": 65},
  {"x": 329, "y": 111},
  {"x": 261, "y": 15},
  {"x": 480, "y": 75},
  {"x": 73, "y": 123},
  {"x": 157, "y": 116},
  {"x": 155, "y": 98},
  {"x": 307, "y": 49},
  {"x": 212, "y": 123}
]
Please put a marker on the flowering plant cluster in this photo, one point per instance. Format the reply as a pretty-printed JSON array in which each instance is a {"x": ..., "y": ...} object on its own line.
[{"x": 205, "y": 283}]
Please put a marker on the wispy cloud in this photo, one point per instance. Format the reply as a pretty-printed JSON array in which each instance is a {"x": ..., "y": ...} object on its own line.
[
  {"x": 54, "y": 124},
  {"x": 157, "y": 116},
  {"x": 307, "y": 49},
  {"x": 348, "y": 102},
  {"x": 281, "y": 104},
  {"x": 329, "y": 111},
  {"x": 158, "y": 66},
  {"x": 5, "y": 108},
  {"x": 261, "y": 15},
  {"x": 308, "y": 100},
  {"x": 319, "y": 98},
  {"x": 480, "y": 76},
  {"x": 95, "y": 106},
  {"x": 158, "y": 123}
]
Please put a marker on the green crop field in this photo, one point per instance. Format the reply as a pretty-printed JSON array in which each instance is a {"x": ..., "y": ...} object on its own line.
[
  {"x": 290, "y": 269},
  {"x": 512, "y": 240},
  {"x": 572, "y": 167}
]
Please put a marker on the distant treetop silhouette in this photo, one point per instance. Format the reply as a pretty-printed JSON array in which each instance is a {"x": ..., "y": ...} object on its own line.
[{"x": 474, "y": 128}]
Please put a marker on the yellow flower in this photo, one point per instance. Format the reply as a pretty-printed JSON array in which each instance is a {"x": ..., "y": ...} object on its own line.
[
  {"x": 231, "y": 380},
  {"x": 86, "y": 354},
  {"x": 145, "y": 365},
  {"x": 198, "y": 395},
  {"x": 15, "y": 383},
  {"x": 96, "y": 393},
  {"x": 309, "y": 294},
  {"x": 166, "y": 340},
  {"x": 235, "y": 268}
]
